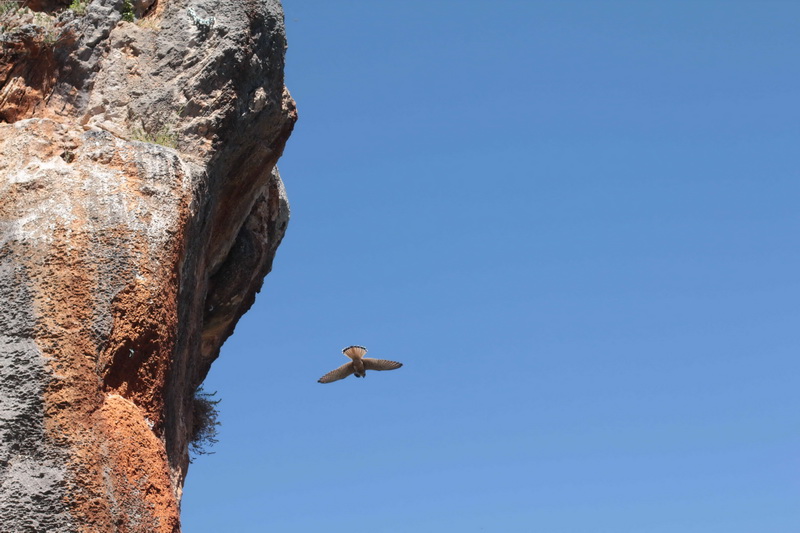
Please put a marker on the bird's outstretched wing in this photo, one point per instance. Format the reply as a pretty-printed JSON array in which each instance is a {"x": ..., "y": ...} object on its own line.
[
  {"x": 354, "y": 352},
  {"x": 335, "y": 375},
  {"x": 380, "y": 364}
]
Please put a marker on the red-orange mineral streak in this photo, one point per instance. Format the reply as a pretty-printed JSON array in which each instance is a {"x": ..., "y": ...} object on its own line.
[{"x": 105, "y": 401}]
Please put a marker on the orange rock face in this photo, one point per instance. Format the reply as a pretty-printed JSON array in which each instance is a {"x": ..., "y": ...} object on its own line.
[{"x": 140, "y": 209}]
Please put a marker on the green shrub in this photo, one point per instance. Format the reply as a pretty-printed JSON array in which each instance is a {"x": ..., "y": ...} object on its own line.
[
  {"x": 127, "y": 11},
  {"x": 79, "y": 6},
  {"x": 8, "y": 11},
  {"x": 9, "y": 7},
  {"x": 164, "y": 136}
]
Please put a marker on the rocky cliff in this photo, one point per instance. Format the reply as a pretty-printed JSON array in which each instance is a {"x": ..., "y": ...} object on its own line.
[{"x": 140, "y": 209}]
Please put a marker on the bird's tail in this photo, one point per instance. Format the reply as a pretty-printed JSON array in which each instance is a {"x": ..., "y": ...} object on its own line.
[{"x": 354, "y": 352}]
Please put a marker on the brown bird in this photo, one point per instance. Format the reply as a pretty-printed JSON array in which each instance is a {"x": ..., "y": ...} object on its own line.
[{"x": 358, "y": 366}]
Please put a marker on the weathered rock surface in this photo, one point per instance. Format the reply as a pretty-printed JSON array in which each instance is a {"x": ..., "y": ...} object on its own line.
[{"x": 140, "y": 209}]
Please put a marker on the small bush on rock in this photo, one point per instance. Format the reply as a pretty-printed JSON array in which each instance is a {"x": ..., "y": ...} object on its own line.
[{"x": 204, "y": 422}]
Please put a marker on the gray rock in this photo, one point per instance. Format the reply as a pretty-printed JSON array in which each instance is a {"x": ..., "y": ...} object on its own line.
[{"x": 140, "y": 209}]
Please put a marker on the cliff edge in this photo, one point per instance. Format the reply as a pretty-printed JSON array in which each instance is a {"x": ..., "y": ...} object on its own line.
[{"x": 140, "y": 209}]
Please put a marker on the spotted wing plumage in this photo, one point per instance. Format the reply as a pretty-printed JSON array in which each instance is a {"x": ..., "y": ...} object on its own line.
[
  {"x": 335, "y": 375},
  {"x": 380, "y": 364}
]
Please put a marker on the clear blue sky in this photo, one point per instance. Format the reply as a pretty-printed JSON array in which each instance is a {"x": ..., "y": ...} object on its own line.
[{"x": 577, "y": 224}]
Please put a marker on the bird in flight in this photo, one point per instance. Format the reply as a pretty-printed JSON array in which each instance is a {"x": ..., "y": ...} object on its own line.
[{"x": 358, "y": 366}]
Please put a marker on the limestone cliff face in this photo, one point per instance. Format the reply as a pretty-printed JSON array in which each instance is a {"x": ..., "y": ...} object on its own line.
[{"x": 140, "y": 209}]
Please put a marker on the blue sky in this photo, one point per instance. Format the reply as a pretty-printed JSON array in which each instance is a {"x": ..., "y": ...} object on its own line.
[{"x": 576, "y": 224}]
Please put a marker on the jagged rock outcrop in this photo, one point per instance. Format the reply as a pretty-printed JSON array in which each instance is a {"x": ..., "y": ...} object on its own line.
[{"x": 140, "y": 209}]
